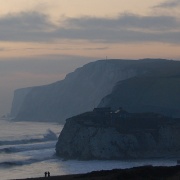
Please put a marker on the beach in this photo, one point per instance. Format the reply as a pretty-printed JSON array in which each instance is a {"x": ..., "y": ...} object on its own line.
[{"x": 144, "y": 172}]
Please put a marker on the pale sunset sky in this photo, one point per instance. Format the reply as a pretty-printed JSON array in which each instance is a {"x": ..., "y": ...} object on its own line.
[{"x": 43, "y": 40}]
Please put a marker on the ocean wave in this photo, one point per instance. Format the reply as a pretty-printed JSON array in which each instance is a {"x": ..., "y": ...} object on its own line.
[
  {"x": 27, "y": 158},
  {"x": 49, "y": 136},
  {"x": 7, "y": 164},
  {"x": 10, "y": 163},
  {"x": 28, "y": 147}
]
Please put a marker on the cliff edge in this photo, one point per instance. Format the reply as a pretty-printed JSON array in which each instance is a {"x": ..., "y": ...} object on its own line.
[
  {"x": 80, "y": 91},
  {"x": 103, "y": 134},
  {"x": 138, "y": 86}
]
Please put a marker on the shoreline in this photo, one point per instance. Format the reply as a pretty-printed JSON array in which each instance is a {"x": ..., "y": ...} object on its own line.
[{"x": 142, "y": 172}]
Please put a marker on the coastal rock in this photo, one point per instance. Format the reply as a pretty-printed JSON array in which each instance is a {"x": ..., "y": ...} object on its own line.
[
  {"x": 156, "y": 92},
  {"x": 149, "y": 85},
  {"x": 93, "y": 136},
  {"x": 82, "y": 142},
  {"x": 19, "y": 96},
  {"x": 79, "y": 92}
]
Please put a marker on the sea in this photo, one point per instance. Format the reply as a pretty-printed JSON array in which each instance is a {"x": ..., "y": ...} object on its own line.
[{"x": 27, "y": 149}]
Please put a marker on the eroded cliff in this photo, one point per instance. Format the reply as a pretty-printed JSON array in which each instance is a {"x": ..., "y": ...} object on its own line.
[
  {"x": 124, "y": 136},
  {"x": 19, "y": 96},
  {"x": 79, "y": 92},
  {"x": 83, "y": 89}
]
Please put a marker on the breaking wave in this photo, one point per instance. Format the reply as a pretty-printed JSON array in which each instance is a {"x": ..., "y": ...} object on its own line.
[
  {"x": 7, "y": 164},
  {"x": 49, "y": 136},
  {"x": 21, "y": 148},
  {"x": 46, "y": 142}
]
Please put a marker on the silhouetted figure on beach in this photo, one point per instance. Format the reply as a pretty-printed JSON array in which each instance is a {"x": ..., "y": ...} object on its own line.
[
  {"x": 48, "y": 174},
  {"x": 45, "y": 174}
]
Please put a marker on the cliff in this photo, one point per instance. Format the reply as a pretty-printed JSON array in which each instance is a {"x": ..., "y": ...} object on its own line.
[
  {"x": 79, "y": 92},
  {"x": 83, "y": 89},
  {"x": 157, "y": 92},
  {"x": 18, "y": 99},
  {"x": 119, "y": 135}
]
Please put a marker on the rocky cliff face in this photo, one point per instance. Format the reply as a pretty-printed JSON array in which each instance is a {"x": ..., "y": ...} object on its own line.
[
  {"x": 146, "y": 94},
  {"x": 19, "y": 96},
  {"x": 83, "y": 89},
  {"x": 157, "y": 91},
  {"x": 79, "y": 92},
  {"x": 85, "y": 137}
]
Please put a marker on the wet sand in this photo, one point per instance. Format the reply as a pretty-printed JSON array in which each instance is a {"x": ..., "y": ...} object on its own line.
[{"x": 137, "y": 173}]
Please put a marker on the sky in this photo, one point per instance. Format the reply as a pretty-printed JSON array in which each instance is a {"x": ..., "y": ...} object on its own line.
[{"x": 43, "y": 40}]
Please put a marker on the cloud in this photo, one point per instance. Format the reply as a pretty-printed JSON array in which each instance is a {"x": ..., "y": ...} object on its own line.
[
  {"x": 97, "y": 48},
  {"x": 168, "y": 4},
  {"x": 25, "y": 26},
  {"x": 27, "y": 21},
  {"x": 125, "y": 28},
  {"x": 3, "y": 49},
  {"x": 124, "y": 21}
]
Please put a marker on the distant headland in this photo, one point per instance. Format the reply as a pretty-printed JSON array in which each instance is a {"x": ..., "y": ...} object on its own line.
[{"x": 148, "y": 85}]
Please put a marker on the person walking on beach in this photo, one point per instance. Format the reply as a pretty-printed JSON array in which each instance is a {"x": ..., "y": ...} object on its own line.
[
  {"x": 45, "y": 174},
  {"x": 48, "y": 174}
]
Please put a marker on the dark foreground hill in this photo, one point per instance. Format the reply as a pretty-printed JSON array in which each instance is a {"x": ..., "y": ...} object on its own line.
[
  {"x": 83, "y": 89},
  {"x": 137, "y": 173}
]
